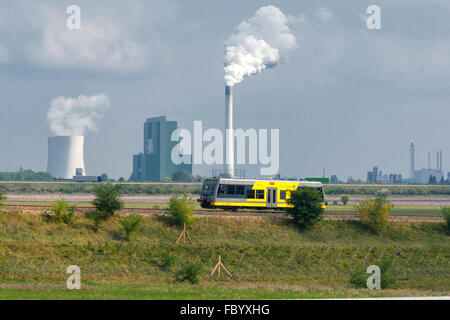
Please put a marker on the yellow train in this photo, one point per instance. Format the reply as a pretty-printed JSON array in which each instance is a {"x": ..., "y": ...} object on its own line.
[{"x": 246, "y": 193}]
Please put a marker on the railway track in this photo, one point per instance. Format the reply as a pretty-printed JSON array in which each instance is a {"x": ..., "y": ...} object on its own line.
[{"x": 243, "y": 213}]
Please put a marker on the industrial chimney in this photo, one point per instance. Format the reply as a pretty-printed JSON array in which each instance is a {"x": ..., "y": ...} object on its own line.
[
  {"x": 66, "y": 156},
  {"x": 229, "y": 151}
]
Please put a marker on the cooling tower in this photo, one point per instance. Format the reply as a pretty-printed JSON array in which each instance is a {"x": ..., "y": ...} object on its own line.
[
  {"x": 229, "y": 151},
  {"x": 65, "y": 156}
]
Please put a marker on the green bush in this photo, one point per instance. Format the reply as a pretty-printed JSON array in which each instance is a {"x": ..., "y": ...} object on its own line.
[
  {"x": 182, "y": 176},
  {"x": 130, "y": 224},
  {"x": 307, "y": 207},
  {"x": 97, "y": 217},
  {"x": 374, "y": 213},
  {"x": 62, "y": 212},
  {"x": 345, "y": 199},
  {"x": 168, "y": 261},
  {"x": 107, "y": 199},
  {"x": 189, "y": 272},
  {"x": 446, "y": 214},
  {"x": 2, "y": 198},
  {"x": 181, "y": 209}
]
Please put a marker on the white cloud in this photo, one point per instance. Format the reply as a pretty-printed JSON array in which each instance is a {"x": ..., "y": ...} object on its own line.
[
  {"x": 259, "y": 43},
  {"x": 123, "y": 37},
  {"x": 73, "y": 116},
  {"x": 100, "y": 44},
  {"x": 324, "y": 14}
]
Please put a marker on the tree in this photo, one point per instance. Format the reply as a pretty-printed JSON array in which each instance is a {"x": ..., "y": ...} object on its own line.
[
  {"x": 307, "y": 207},
  {"x": 224, "y": 175},
  {"x": 121, "y": 179},
  {"x": 104, "y": 177},
  {"x": 345, "y": 199},
  {"x": 107, "y": 202},
  {"x": 432, "y": 180},
  {"x": 374, "y": 213},
  {"x": 2, "y": 198},
  {"x": 130, "y": 224},
  {"x": 181, "y": 209},
  {"x": 107, "y": 198},
  {"x": 182, "y": 176}
]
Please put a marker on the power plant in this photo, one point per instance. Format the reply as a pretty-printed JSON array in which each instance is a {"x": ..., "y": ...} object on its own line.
[
  {"x": 229, "y": 151},
  {"x": 66, "y": 156}
]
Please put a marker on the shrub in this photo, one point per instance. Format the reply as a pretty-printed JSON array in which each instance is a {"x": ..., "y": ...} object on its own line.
[
  {"x": 181, "y": 209},
  {"x": 62, "y": 212},
  {"x": 168, "y": 261},
  {"x": 2, "y": 198},
  {"x": 182, "y": 176},
  {"x": 345, "y": 199},
  {"x": 335, "y": 202},
  {"x": 130, "y": 224},
  {"x": 107, "y": 199},
  {"x": 189, "y": 272},
  {"x": 374, "y": 213},
  {"x": 97, "y": 217},
  {"x": 446, "y": 213},
  {"x": 308, "y": 208}
]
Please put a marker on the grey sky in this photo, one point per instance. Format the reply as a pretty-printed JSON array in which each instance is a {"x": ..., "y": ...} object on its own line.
[{"x": 347, "y": 98}]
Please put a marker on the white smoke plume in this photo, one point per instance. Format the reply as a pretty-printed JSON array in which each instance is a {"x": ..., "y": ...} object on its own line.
[
  {"x": 73, "y": 116},
  {"x": 260, "y": 43}
]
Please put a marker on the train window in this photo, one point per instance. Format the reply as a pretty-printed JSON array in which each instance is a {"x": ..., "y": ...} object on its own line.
[
  {"x": 221, "y": 189},
  {"x": 259, "y": 194},
  {"x": 250, "y": 194},
  {"x": 282, "y": 194},
  {"x": 231, "y": 189},
  {"x": 240, "y": 190}
]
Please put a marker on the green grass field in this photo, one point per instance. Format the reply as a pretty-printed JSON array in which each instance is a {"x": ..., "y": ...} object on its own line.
[{"x": 268, "y": 258}]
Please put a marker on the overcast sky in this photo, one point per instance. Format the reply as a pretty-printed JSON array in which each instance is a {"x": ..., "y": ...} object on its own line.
[{"x": 347, "y": 98}]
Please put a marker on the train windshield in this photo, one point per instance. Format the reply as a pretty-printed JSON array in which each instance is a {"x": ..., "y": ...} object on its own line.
[{"x": 209, "y": 186}]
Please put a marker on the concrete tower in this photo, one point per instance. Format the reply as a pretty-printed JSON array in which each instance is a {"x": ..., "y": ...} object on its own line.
[
  {"x": 411, "y": 161},
  {"x": 66, "y": 156},
  {"x": 229, "y": 141}
]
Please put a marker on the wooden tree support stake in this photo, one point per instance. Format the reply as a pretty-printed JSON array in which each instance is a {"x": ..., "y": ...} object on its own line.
[
  {"x": 184, "y": 235},
  {"x": 220, "y": 265}
]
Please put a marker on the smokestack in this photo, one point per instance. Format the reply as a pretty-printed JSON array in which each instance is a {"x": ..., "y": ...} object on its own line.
[
  {"x": 229, "y": 161},
  {"x": 440, "y": 160},
  {"x": 437, "y": 160},
  {"x": 65, "y": 156},
  {"x": 429, "y": 160}
]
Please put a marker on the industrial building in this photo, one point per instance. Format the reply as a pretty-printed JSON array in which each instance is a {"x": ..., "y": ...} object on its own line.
[
  {"x": 155, "y": 163},
  {"x": 66, "y": 156},
  {"x": 425, "y": 176},
  {"x": 376, "y": 176}
]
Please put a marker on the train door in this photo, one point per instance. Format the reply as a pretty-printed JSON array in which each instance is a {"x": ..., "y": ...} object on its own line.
[{"x": 271, "y": 197}]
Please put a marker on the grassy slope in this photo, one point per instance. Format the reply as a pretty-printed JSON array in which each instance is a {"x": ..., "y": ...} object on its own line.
[{"x": 267, "y": 257}]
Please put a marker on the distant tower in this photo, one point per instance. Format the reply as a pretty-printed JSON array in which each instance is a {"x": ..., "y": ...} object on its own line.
[{"x": 411, "y": 161}]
